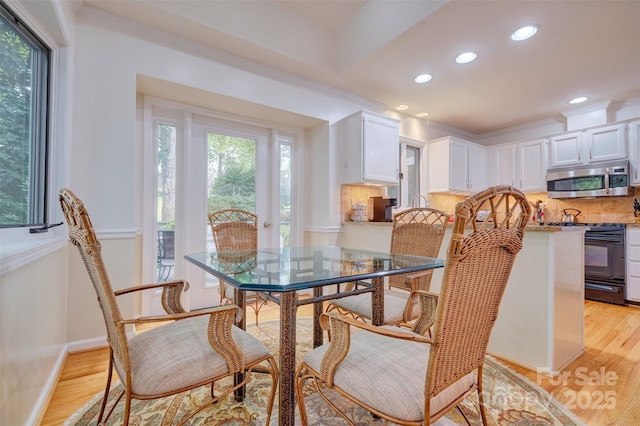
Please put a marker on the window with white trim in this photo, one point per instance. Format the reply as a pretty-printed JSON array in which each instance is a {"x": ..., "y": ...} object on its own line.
[{"x": 24, "y": 100}]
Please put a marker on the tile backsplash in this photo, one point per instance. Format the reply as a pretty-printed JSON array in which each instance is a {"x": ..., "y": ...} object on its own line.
[
  {"x": 354, "y": 194},
  {"x": 596, "y": 210}
]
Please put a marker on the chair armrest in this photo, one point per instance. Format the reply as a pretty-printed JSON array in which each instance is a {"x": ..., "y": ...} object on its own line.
[
  {"x": 237, "y": 315},
  {"x": 171, "y": 291},
  {"x": 413, "y": 284},
  {"x": 409, "y": 278},
  {"x": 427, "y": 315},
  {"x": 340, "y": 332},
  {"x": 328, "y": 319}
]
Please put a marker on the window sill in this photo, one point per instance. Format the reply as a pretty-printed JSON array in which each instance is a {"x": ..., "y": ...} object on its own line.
[{"x": 16, "y": 253}]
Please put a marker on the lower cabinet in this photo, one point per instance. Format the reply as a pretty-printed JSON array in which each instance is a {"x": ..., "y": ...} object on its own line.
[{"x": 633, "y": 264}]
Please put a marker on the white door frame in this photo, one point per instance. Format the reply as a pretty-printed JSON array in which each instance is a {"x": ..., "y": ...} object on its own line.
[{"x": 191, "y": 188}]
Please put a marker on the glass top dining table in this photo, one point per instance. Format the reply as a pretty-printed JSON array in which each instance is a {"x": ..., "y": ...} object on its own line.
[{"x": 280, "y": 273}]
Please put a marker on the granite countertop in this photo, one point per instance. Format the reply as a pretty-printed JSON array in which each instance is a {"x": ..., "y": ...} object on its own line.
[
  {"x": 536, "y": 227},
  {"x": 533, "y": 227}
]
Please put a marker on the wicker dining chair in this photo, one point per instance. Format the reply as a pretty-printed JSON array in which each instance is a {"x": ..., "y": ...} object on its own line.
[
  {"x": 417, "y": 231},
  {"x": 233, "y": 230},
  {"x": 188, "y": 349},
  {"x": 403, "y": 376}
]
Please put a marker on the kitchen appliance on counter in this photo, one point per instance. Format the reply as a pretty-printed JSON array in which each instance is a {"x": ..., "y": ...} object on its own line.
[
  {"x": 569, "y": 217},
  {"x": 604, "y": 261},
  {"x": 607, "y": 179},
  {"x": 382, "y": 209}
]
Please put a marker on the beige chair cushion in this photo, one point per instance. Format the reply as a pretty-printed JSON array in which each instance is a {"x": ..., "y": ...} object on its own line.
[
  {"x": 186, "y": 358},
  {"x": 394, "y": 303},
  {"x": 378, "y": 362}
]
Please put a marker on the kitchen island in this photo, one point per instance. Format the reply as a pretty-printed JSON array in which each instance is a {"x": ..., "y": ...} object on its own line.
[{"x": 540, "y": 324}]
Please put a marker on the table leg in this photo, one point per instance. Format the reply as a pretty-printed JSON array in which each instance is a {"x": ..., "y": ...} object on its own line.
[
  {"x": 317, "y": 311},
  {"x": 377, "y": 301},
  {"x": 287, "y": 397},
  {"x": 239, "y": 298}
]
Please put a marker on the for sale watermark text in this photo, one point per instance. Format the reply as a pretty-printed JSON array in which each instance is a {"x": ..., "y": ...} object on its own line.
[{"x": 584, "y": 388}]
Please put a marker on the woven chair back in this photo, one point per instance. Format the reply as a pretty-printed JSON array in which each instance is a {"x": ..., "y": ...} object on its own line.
[
  {"x": 234, "y": 229},
  {"x": 419, "y": 232},
  {"x": 82, "y": 235},
  {"x": 479, "y": 261}
]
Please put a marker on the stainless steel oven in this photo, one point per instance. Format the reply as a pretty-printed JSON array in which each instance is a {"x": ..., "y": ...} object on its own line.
[{"x": 604, "y": 263}]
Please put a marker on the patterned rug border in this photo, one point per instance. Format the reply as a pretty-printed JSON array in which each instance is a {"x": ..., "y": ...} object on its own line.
[
  {"x": 541, "y": 397},
  {"x": 541, "y": 393}
]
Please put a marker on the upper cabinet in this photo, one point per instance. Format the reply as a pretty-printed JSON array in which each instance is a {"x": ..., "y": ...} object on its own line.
[
  {"x": 368, "y": 146},
  {"x": 566, "y": 149},
  {"x": 606, "y": 143},
  {"x": 504, "y": 164},
  {"x": 521, "y": 165},
  {"x": 456, "y": 165},
  {"x": 590, "y": 146},
  {"x": 634, "y": 152},
  {"x": 532, "y": 167}
]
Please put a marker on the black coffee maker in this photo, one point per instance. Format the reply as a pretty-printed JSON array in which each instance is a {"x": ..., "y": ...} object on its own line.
[{"x": 383, "y": 209}]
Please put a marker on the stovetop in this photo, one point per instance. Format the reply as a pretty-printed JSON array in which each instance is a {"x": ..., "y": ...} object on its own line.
[{"x": 593, "y": 226}]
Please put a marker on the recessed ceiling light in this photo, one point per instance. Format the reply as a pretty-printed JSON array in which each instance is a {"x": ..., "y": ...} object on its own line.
[
  {"x": 422, "y": 114},
  {"x": 466, "y": 57},
  {"x": 423, "y": 78},
  {"x": 524, "y": 33},
  {"x": 578, "y": 100},
  {"x": 402, "y": 107}
]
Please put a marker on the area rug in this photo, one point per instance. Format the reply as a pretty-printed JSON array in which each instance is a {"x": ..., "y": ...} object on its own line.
[{"x": 511, "y": 400}]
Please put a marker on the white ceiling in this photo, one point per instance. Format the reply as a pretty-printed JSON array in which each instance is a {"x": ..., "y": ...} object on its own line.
[{"x": 374, "y": 48}]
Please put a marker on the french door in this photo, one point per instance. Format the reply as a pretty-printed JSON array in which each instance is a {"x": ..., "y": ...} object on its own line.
[{"x": 203, "y": 164}]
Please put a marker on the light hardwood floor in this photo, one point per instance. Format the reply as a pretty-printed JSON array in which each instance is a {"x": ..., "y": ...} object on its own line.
[{"x": 600, "y": 387}]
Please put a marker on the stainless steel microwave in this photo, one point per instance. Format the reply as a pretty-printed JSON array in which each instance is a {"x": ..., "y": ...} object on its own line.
[{"x": 610, "y": 179}]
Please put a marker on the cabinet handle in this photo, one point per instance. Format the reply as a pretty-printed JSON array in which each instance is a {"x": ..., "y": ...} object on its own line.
[
  {"x": 579, "y": 152},
  {"x": 590, "y": 156},
  {"x": 520, "y": 183}
]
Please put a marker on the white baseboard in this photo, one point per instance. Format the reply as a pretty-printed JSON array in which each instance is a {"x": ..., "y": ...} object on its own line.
[
  {"x": 82, "y": 345},
  {"x": 47, "y": 391}
]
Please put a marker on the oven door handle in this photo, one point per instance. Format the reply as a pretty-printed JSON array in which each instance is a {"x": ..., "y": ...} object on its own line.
[
  {"x": 602, "y": 238},
  {"x": 600, "y": 287}
]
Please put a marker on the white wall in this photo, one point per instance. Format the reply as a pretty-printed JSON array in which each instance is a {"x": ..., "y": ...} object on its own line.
[{"x": 33, "y": 309}]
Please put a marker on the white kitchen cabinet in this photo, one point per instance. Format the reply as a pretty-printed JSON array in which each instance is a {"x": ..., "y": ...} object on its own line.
[
  {"x": 633, "y": 264},
  {"x": 566, "y": 149},
  {"x": 532, "y": 166},
  {"x": 522, "y": 165},
  {"x": 456, "y": 165},
  {"x": 477, "y": 160},
  {"x": 606, "y": 143},
  {"x": 634, "y": 152},
  {"x": 590, "y": 146},
  {"x": 504, "y": 158},
  {"x": 368, "y": 146}
]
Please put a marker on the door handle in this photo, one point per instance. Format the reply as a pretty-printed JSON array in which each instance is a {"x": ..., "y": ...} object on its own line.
[{"x": 267, "y": 224}]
